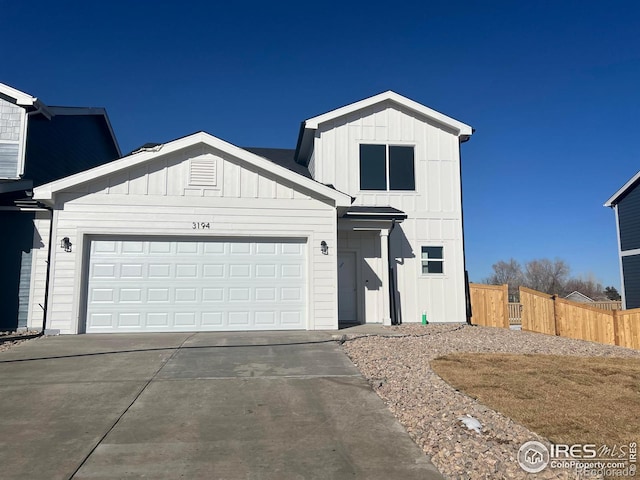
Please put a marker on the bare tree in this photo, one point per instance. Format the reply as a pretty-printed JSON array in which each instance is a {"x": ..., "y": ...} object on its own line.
[
  {"x": 546, "y": 276},
  {"x": 588, "y": 286},
  {"x": 507, "y": 272}
]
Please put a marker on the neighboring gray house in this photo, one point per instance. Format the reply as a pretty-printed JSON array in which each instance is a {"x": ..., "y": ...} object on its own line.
[
  {"x": 626, "y": 204},
  {"x": 576, "y": 296},
  {"x": 362, "y": 223},
  {"x": 38, "y": 144}
]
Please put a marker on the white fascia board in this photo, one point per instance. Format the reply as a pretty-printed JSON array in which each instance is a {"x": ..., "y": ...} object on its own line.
[
  {"x": 46, "y": 192},
  {"x": 625, "y": 187},
  {"x": 462, "y": 128},
  {"x": 21, "y": 98}
]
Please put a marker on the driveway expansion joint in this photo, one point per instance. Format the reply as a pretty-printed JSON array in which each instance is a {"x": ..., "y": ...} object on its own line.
[{"x": 135, "y": 399}]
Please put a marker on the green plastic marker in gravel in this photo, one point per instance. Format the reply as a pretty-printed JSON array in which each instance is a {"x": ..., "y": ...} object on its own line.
[{"x": 424, "y": 318}]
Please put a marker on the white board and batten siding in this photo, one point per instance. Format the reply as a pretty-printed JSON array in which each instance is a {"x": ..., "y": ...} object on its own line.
[
  {"x": 434, "y": 209},
  {"x": 161, "y": 200}
]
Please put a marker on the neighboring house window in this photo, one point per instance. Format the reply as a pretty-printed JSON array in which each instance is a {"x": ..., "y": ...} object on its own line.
[
  {"x": 432, "y": 260},
  {"x": 386, "y": 167}
]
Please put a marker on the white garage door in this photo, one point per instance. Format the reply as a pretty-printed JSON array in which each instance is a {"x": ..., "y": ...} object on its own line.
[{"x": 146, "y": 285}]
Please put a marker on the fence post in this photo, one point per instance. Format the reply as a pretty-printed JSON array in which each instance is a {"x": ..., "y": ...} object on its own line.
[
  {"x": 505, "y": 289},
  {"x": 616, "y": 327},
  {"x": 555, "y": 315}
]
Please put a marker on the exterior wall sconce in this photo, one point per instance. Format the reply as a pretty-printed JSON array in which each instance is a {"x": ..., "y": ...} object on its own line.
[
  {"x": 324, "y": 248},
  {"x": 66, "y": 244}
]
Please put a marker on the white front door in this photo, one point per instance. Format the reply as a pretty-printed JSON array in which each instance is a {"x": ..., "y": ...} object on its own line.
[
  {"x": 169, "y": 285},
  {"x": 347, "y": 288}
]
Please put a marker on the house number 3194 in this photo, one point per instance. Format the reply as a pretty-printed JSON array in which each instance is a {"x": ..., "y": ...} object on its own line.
[{"x": 200, "y": 225}]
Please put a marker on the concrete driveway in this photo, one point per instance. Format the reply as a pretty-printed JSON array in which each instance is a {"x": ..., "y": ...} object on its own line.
[{"x": 208, "y": 405}]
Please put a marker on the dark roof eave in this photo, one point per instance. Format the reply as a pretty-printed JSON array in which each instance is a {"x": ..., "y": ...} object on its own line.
[
  {"x": 359, "y": 212},
  {"x": 376, "y": 217},
  {"x": 299, "y": 143}
]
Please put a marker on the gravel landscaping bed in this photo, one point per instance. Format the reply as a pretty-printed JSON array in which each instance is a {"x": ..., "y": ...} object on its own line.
[
  {"x": 10, "y": 339},
  {"x": 398, "y": 369}
]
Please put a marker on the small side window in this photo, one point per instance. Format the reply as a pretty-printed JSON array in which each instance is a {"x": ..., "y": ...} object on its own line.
[{"x": 432, "y": 260}]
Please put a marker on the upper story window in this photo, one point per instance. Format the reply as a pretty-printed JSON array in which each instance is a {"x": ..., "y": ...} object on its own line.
[{"x": 387, "y": 167}]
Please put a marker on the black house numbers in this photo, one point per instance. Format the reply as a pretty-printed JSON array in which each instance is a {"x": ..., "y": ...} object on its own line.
[{"x": 200, "y": 225}]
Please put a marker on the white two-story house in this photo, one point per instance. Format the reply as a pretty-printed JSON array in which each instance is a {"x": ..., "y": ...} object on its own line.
[{"x": 361, "y": 223}]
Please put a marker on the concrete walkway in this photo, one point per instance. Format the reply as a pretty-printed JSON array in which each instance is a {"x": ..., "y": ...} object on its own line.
[{"x": 208, "y": 405}]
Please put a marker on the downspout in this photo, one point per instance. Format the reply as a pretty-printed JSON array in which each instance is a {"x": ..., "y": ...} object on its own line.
[
  {"x": 393, "y": 311},
  {"x": 48, "y": 275},
  {"x": 467, "y": 292}
]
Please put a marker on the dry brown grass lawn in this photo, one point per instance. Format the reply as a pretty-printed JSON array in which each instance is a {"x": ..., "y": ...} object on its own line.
[{"x": 566, "y": 399}]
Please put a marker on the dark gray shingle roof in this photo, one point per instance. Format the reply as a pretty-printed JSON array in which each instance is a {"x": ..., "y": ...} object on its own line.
[{"x": 281, "y": 156}]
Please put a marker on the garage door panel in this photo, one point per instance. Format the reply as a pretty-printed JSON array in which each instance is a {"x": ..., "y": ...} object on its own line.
[
  {"x": 213, "y": 271},
  {"x": 157, "y": 320},
  {"x": 101, "y": 320},
  {"x": 105, "y": 247},
  {"x": 212, "y": 319},
  {"x": 137, "y": 285},
  {"x": 132, "y": 247},
  {"x": 159, "y": 248},
  {"x": 129, "y": 320},
  {"x": 290, "y": 317}
]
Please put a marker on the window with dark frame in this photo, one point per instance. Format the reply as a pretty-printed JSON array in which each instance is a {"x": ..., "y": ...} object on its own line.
[
  {"x": 387, "y": 167},
  {"x": 432, "y": 259}
]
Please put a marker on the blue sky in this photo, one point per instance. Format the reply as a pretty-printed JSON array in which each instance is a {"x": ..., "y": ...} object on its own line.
[{"x": 551, "y": 87}]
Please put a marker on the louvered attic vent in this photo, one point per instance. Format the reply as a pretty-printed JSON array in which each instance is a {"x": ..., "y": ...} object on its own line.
[{"x": 202, "y": 172}]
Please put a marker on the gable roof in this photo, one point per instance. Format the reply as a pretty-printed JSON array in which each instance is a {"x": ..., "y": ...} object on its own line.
[
  {"x": 308, "y": 127},
  {"x": 616, "y": 197},
  {"x": 60, "y": 140},
  {"x": 47, "y": 191}
]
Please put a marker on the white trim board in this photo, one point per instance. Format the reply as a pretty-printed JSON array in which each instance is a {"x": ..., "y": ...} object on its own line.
[
  {"x": 47, "y": 191},
  {"x": 461, "y": 128},
  {"x": 614, "y": 198}
]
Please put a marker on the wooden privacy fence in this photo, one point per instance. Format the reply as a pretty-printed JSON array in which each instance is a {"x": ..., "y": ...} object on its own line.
[
  {"x": 489, "y": 305},
  {"x": 515, "y": 309},
  {"x": 556, "y": 316}
]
